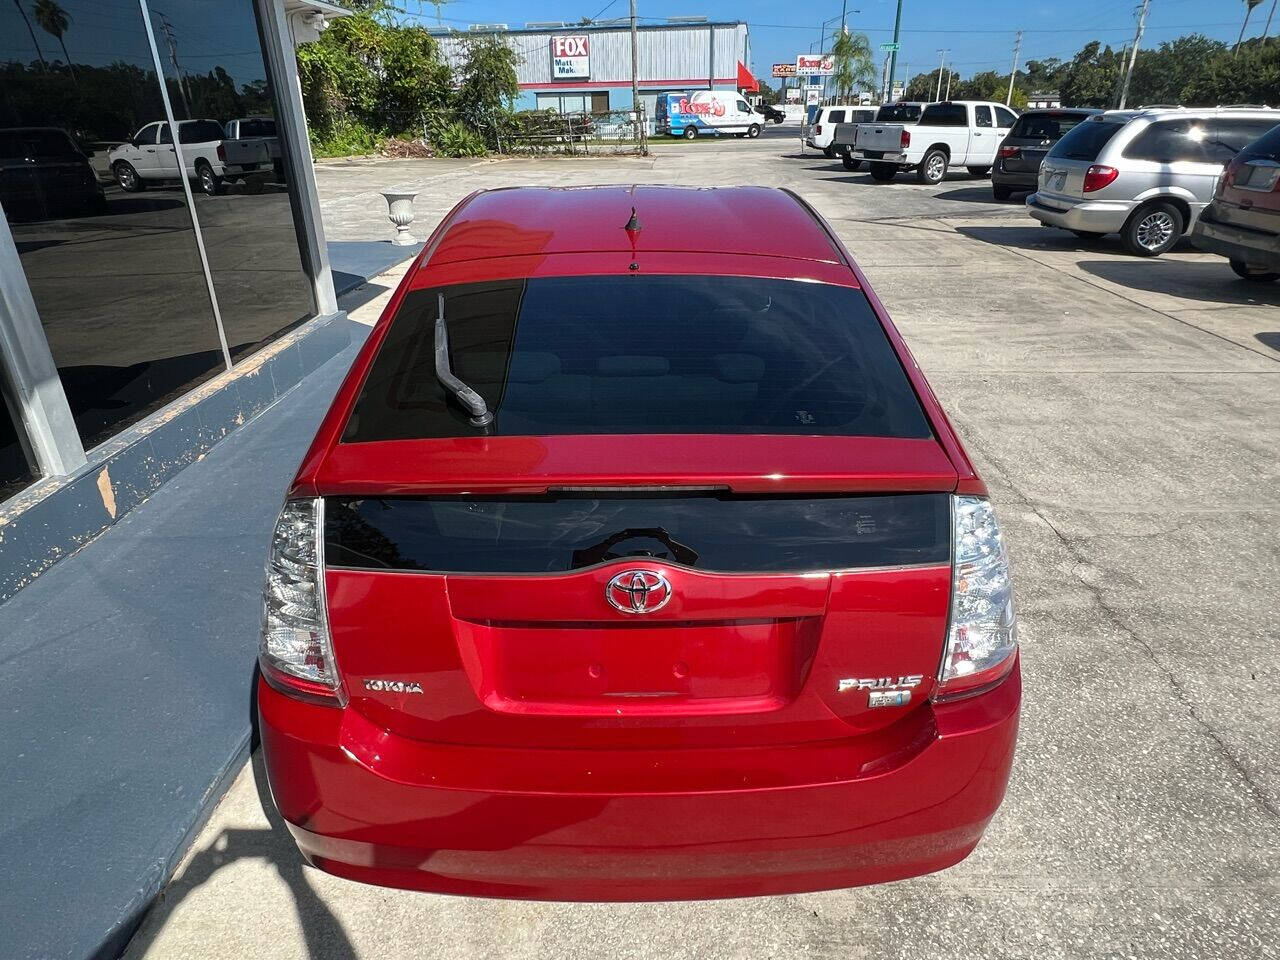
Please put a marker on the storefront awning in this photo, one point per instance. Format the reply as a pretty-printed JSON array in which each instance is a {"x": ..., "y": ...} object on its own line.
[{"x": 746, "y": 82}]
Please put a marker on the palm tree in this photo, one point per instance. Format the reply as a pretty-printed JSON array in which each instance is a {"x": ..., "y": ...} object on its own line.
[
  {"x": 34, "y": 41},
  {"x": 1266, "y": 31},
  {"x": 855, "y": 65},
  {"x": 53, "y": 19},
  {"x": 1248, "y": 9}
]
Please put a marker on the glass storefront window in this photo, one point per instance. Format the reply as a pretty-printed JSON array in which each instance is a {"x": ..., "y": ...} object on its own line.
[
  {"x": 115, "y": 274},
  {"x": 224, "y": 100}
]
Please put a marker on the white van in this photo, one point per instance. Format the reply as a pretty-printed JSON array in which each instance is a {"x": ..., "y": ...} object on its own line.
[{"x": 714, "y": 112}]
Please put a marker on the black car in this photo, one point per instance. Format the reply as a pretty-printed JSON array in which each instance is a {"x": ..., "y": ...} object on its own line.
[
  {"x": 43, "y": 174},
  {"x": 1018, "y": 159},
  {"x": 770, "y": 112}
]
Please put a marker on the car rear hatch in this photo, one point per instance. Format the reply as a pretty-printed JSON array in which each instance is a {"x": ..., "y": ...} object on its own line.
[
  {"x": 570, "y": 576},
  {"x": 880, "y": 138},
  {"x": 1062, "y": 172}
]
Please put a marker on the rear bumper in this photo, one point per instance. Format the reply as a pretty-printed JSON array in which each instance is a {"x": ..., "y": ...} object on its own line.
[
  {"x": 371, "y": 806},
  {"x": 1092, "y": 216},
  {"x": 1253, "y": 247},
  {"x": 880, "y": 156},
  {"x": 1017, "y": 179}
]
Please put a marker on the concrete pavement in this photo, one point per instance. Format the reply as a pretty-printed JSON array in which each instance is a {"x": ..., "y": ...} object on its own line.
[{"x": 1124, "y": 413}]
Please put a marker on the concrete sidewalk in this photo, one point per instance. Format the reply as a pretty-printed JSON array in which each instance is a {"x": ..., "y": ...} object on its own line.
[{"x": 125, "y": 675}]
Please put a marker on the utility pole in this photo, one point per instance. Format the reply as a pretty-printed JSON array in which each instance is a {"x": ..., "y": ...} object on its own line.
[
  {"x": 938, "y": 94},
  {"x": 884, "y": 94},
  {"x": 1017, "y": 48},
  {"x": 635, "y": 81},
  {"x": 172, "y": 44},
  {"x": 893, "y": 54},
  {"x": 950, "y": 73},
  {"x": 1133, "y": 54}
]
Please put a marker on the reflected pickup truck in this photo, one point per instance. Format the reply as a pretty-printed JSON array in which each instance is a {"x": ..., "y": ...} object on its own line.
[
  {"x": 252, "y": 142},
  {"x": 955, "y": 133},
  {"x": 845, "y": 139}
]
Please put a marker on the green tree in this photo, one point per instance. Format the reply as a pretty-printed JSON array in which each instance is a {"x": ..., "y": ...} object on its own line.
[
  {"x": 487, "y": 85},
  {"x": 1090, "y": 79},
  {"x": 1250, "y": 75},
  {"x": 854, "y": 62}
]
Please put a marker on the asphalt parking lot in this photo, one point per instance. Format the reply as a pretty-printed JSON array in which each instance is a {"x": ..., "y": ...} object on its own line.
[{"x": 1125, "y": 414}]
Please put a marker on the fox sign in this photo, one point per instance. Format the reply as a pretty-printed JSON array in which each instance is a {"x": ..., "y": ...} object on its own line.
[{"x": 570, "y": 58}]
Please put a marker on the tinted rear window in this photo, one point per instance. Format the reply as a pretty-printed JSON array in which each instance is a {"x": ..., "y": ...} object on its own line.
[
  {"x": 257, "y": 128},
  {"x": 945, "y": 115},
  {"x": 555, "y": 533},
  {"x": 200, "y": 131},
  {"x": 1268, "y": 147},
  {"x": 641, "y": 354},
  {"x": 1046, "y": 126},
  {"x": 1086, "y": 140},
  {"x": 898, "y": 113}
]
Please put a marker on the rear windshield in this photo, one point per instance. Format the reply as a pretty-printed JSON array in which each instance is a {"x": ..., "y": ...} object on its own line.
[
  {"x": 199, "y": 131},
  {"x": 945, "y": 115},
  {"x": 1046, "y": 126},
  {"x": 641, "y": 354},
  {"x": 37, "y": 144},
  {"x": 1266, "y": 148},
  {"x": 898, "y": 113},
  {"x": 257, "y": 128},
  {"x": 1086, "y": 140},
  {"x": 554, "y": 533}
]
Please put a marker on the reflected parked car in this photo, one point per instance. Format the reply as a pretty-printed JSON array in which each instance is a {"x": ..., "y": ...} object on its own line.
[
  {"x": 44, "y": 174},
  {"x": 1017, "y": 165},
  {"x": 1242, "y": 223},
  {"x": 1145, "y": 174},
  {"x": 650, "y": 572}
]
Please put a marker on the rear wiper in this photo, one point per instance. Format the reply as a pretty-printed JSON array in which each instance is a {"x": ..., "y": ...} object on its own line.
[{"x": 480, "y": 415}]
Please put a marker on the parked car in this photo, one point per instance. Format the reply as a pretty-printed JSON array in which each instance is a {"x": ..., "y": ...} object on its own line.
[
  {"x": 1017, "y": 165},
  {"x": 1145, "y": 174},
  {"x": 771, "y": 113},
  {"x": 822, "y": 129},
  {"x": 701, "y": 112},
  {"x": 244, "y": 138},
  {"x": 956, "y": 133},
  {"x": 846, "y": 135},
  {"x": 149, "y": 157},
  {"x": 44, "y": 174},
  {"x": 643, "y": 573},
  {"x": 1242, "y": 222}
]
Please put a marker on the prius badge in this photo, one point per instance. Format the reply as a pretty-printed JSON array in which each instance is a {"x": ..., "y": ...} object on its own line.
[
  {"x": 638, "y": 591},
  {"x": 882, "y": 691}
]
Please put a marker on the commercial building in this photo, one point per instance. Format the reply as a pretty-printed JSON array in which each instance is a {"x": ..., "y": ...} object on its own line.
[
  {"x": 142, "y": 319},
  {"x": 575, "y": 69}
]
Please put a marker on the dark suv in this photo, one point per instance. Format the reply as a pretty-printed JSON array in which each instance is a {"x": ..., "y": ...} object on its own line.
[
  {"x": 1018, "y": 160},
  {"x": 1242, "y": 223}
]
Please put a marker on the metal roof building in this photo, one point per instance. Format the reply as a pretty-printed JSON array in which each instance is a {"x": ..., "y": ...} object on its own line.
[{"x": 574, "y": 68}]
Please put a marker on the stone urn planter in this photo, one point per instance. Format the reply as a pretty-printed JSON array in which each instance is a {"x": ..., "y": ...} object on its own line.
[{"x": 400, "y": 212}]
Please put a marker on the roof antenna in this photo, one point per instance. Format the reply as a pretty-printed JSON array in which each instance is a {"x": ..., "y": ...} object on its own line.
[
  {"x": 633, "y": 234},
  {"x": 480, "y": 415}
]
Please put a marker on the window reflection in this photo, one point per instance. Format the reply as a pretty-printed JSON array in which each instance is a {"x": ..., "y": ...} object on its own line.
[
  {"x": 223, "y": 97},
  {"x": 16, "y": 471},
  {"x": 115, "y": 275}
]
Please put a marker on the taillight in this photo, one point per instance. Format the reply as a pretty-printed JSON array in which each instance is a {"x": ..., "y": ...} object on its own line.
[
  {"x": 296, "y": 653},
  {"x": 1009, "y": 153},
  {"x": 983, "y": 635},
  {"x": 222, "y": 153},
  {"x": 1098, "y": 176},
  {"x": 817, "y": 129},
  {"x": 905, "y": 139}
]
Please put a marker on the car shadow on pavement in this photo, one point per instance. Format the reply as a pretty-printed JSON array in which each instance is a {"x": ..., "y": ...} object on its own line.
[
  {"x": 1207, "y": 281},
  {"x": 1269, "y": 339},
  {"x": 978, "y": 194},
  {"x": 1032, "y": 236}
]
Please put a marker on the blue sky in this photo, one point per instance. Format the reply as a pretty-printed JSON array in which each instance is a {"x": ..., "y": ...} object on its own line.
[{"x": 980, "y": 36}]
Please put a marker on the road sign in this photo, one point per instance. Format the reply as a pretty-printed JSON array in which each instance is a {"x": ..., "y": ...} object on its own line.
[
  {"x": 815, "y": 65},
  {"x": 890, "y": 47},
  {"x": 784, "y": 69}
]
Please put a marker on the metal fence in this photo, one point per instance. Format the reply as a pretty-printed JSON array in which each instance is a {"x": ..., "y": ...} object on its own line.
[{"x": 572, "y": 134}]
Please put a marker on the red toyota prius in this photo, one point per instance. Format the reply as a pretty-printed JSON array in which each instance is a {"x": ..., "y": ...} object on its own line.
[{"x": 635, "y": 560}]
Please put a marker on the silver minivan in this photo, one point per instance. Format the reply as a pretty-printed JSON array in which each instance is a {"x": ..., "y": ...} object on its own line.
[{"x": 1144, "y": 174}]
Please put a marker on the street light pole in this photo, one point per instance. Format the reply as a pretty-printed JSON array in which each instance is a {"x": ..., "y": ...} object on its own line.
[
  {"x": 635, "y": 80},
  {"x": 893, "y": 55}
]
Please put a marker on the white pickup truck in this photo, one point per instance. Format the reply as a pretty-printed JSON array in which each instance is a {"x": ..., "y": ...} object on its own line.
[
  {"x": 955, "y": 133},
  {"x": 846, "y": 134},
  {"x": 148, "y": 156}
]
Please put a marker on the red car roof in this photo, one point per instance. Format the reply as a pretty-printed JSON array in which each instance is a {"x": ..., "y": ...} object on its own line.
[{"x": 534, "y": 221}]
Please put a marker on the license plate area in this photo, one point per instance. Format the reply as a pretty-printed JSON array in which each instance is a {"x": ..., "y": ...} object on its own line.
[{"x": 739, "y": 666}]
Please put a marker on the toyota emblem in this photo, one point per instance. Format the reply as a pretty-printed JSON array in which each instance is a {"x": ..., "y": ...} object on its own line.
[{"x": 638, "y": 591}]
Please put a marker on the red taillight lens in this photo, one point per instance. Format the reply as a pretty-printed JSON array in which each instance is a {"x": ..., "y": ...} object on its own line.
[
  {"x": 905, "y": 139},
  {"x": 1009, "y": 152},
  {"x": 222, "y": 153},
  {"x": 817, "y": 130},
  {"x": 1098, "y": 176}
]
